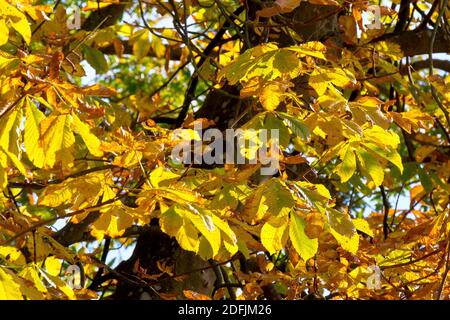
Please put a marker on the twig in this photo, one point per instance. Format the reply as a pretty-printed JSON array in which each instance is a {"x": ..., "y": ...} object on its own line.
[
  {"x": 51, "y": 220},
  {"x": 443, "y": 6},
  {"x": 444, "y": 277},
  {"x": 386, "y": 206},
  {"x": 190, "y": 92}
]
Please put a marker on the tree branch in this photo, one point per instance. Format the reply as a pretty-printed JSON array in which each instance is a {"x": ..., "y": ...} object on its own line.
[{"x": 416, "y": 42}]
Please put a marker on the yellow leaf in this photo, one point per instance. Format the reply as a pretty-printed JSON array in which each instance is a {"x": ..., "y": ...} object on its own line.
[
  {"x": 141, "y": 46},
  {"x": 16, "y": 19},
  {"x": 76, "y": 192},
  {"x": 346, "y": 169},
  {"x": 4, "y": 32},
  {"x": 33, "y": 149},
  {"x": 9, "y": 289},
  {"x": 53, "y": 265},
  {"x": 343, "y": 230},
  {"x": 57, "y": 139},
  {"x": 274, "y": 233},
  {"x": 363, "y": 226},
  {"x": 90, "y": 139},
  {"x": 423, "y": 151},
  {"x": 62, "y": 286},
  {"x": 30, "y": 273},
  {"x": 192, "y": 295},
  {"x": 304, "y": 245},
  {"x": 12, "y": 255},
  {"x": 113, "y": 222},
  {"x": 271, "y": 96},
  {"x": 371, "y": 165}
]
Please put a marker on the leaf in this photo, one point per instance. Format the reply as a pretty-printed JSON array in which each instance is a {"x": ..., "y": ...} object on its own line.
[
  {"x": 16, "y": 19},
  {"x": 274, "y": 233},
  {"x": 297, "y": 126},
  {"x": 192, "y": 295},
  {"x": 12, "y": 255},
  {"x": 57, "y": 138},
  {"x": 4, "y": 32},
  {"x": 99, "y": 90},
  {"x": 286, "y": 61},
  {"x": 315, "y": 195},
  {"x": 348, "y": 26},
  {"x": 9, "y": 289},
  {"x": 61, "y": 286},
  {"x": 266, "y": 62},
  {"x": 270, "y": 199},
  {"x": 271, "y": 122},
  {"x": 113, "y": 222},
  {"x": 96, "y": 59},
  {"x": 194, "y": 229},
  {"x": 31, "y": 274},
  {"x": 33, "y": 148},
  {"x": 141, "y": 45},
  {"x": 76, "y": 192},
  {"x": 312, "y": 48},
  {"x": 343, "y": 230},
  {"x": 271, "y": 96},
  {"x": 346, "y": 169},
  {"x": 90, "y": 139},
  {"x": 305, "y": 246},
  {"x": 371, "y": 165},
  {"x": 363, "y": 226}
]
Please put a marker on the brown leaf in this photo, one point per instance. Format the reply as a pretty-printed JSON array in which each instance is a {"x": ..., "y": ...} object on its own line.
[{"x": 192, "y": 295}]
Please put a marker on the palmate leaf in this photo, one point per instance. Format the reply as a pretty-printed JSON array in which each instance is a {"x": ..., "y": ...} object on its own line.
[
  {"x": 271, "y": 198},
  {"x": 371, "y": 152},
  {"x": 199, "y": 230}
]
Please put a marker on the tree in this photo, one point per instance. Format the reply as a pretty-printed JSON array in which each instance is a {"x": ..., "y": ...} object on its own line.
[{"x": 94, "y": 103}]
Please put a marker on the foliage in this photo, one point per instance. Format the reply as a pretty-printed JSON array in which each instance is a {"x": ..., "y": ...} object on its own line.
[{"x": 87, "y": 125}]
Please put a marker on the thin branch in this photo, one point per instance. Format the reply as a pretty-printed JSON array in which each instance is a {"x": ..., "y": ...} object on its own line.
[
  {"x": 52, "y": 220},
  {"x": 443, "y": 6},
  {"x": 444, "y": 277},
  {"x": 386, "y": 206}
]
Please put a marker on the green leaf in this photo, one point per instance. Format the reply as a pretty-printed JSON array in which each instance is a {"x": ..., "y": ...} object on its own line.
[
  {"x": 305, "y": 246},
  {"x": 297, "y": 126},
  {"x": 273, "y": 123},
  {"x": 371, "y": 165},
  {"x": 286, "y": 62},
  {"x": 96, "y": 59},
  {"x": 343, "y": 230},
  {"x": 346, "y": 169}
]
